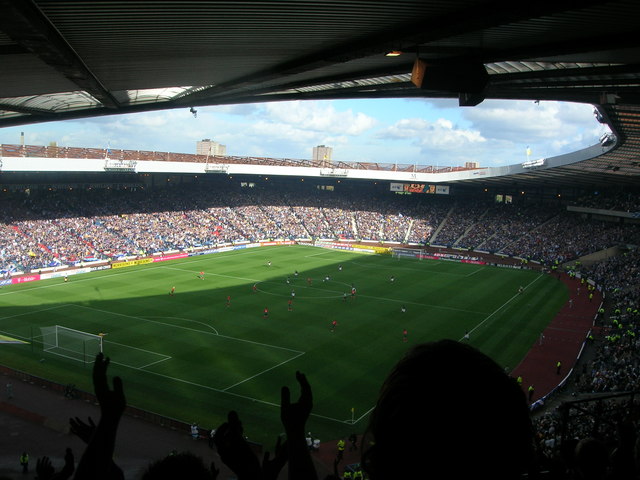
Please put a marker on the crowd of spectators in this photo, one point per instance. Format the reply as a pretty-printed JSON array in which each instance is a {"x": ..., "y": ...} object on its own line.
[
  {"x": 462, "y": 217},
  {"x": 566, "y": 237},
  {"x": 504, "y": 224},
  {"x": 619, "y": 202},
  {"x": 64, "y": 227}
]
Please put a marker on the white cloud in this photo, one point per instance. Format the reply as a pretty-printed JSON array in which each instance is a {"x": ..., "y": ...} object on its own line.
[
  {"x": 319, "y": 117},
  {"x": 439, "y": 134},
  {"x": 528, "y": 122}
]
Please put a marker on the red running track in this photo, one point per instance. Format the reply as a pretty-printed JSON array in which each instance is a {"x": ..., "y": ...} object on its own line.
[{"x": 562, "y": 341}]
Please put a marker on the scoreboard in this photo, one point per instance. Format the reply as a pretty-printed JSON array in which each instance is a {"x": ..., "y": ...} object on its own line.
[{"x": 419, "y": 188}]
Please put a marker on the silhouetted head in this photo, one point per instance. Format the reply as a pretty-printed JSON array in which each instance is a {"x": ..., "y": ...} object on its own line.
[
  {"x": 591, "y": 459},
  {"x": 446, "y": 409}
]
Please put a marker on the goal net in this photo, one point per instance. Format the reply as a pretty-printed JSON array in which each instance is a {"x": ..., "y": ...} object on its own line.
[
  {"x": 70, "y": 343},
  {"x": 398, "y": 253}
]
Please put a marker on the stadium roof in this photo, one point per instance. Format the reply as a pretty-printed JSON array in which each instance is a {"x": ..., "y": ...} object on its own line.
[{"x": 71, "y": 59}]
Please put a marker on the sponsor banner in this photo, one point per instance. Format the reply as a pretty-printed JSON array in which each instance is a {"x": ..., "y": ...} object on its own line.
[
  {"x": 163, "y": 258},
  {"x": 362, "y": 250},
  {"x": 340, "y": 246},
  {"x": 46, "y": 276},
  {"x": 200, "y": 252},
  {"x": 132, "y": 263},
  {"x": 219, "y": 250},
  {"x": 505, "y": 265},
  {"x": 349, "y": 247},
  {"x": 371, "y": 248},
  {"x": 475, "y": 262},
  {"x": 26, "y": 278},
  {"x": 99, "y": 267},
  {"x": 277, "y": 242},
  {"x": 454, "y": 256},
  {"x": 7, "y": 281},
  {"x": 419, "y": 188}
]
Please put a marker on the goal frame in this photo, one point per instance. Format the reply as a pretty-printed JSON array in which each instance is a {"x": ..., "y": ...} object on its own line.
[{"x": 56, "y": 345}]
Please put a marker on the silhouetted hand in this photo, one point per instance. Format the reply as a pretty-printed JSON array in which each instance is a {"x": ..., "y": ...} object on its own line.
[
  {"x": 112, "y": 402},
  {"x": 271, "y": 467},
  {"x": 44, "y": 469},
  {"x": 69, "y": 467},
  {"x": 234, "y": 449},
  {"x": 294, "y": 415},
  {"x": 82, "y": 430},
  {"x": 214, "y": 471}
]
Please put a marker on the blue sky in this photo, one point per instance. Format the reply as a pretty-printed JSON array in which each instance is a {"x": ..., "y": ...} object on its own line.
[{"x": 403, "y": 131}]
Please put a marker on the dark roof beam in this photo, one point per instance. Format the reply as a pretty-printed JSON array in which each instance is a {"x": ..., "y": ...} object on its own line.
[
  {"x": 26, "y": 110},
  {"x": 28, "y": 26}
]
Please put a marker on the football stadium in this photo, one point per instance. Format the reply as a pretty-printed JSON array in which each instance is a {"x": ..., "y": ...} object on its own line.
[{"x": 146, "y": 296}]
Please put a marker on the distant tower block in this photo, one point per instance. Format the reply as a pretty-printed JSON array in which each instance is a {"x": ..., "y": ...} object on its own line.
[
  {"x": 209, "y": 148},
  {"x": 322, "y": 154}
]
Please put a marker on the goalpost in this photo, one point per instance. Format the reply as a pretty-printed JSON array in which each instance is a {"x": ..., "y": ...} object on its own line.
[{"x": 70, "y": 343}]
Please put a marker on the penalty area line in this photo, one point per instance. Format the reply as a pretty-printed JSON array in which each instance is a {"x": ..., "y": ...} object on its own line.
[
  {"x": 260, "y": 373},
  {"x": 503, "y": 305}
]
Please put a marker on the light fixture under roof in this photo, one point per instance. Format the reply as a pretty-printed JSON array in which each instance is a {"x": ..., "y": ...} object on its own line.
[{"x": 393, "y": 53}]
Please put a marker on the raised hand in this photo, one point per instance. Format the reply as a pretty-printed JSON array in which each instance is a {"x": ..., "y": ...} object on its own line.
[
  {"x": 44, "y": 469},
  {"x": 294, "y": 415},
  {"x": 97, "y": 461},
  {"x": 68, "y": 469},
  {"x": 271, "y": 467},
  {"x": 112, "y": 402},
  {"x": 234, "y": 450},
  {"x": 82, "y": 430}
]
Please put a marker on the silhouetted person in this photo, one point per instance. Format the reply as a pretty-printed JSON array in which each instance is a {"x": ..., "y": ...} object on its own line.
[
  {"x": 96, "y": 462},
  {"x": 236, "y": 453},
  {"x": 24, "y": 462},
  {"x": 446, "y": 410},
  {"x": 591, "y": 460},
  {"x": 353, "y": 442},
  {"x": 622, "y": 458},
  {"x": 45, "y": 470},
  {"x": 180, "y": 465}
]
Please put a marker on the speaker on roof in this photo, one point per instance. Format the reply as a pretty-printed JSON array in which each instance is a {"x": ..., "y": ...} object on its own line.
[{"x": 468, "y": 80}]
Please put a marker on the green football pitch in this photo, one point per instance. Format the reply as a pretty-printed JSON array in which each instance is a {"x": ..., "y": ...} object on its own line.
[{"x": 192, "y": 357}]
